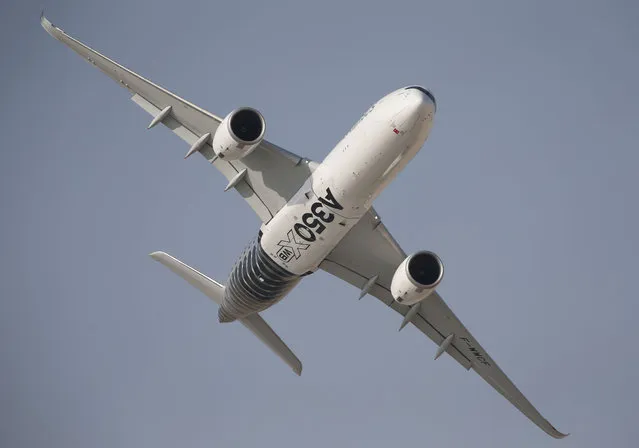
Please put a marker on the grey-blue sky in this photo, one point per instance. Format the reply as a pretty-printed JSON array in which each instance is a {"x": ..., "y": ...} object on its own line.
[{"x": 526, "y": 188}]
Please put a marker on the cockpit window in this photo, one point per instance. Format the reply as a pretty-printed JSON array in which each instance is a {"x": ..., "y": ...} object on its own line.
[{"x": 426, "y": 92}]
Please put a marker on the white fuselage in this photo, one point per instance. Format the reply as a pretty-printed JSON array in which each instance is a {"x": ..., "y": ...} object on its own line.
[{"x": 344, "y": 185}]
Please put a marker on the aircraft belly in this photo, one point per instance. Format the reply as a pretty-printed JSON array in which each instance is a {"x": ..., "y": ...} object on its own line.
[
  {"x": 334, "y": 198},
  {"x": 305, "y": 230}
]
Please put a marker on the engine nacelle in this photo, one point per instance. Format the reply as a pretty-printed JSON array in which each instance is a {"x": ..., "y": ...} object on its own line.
[
  {"x": 239, "y": 134},
  {"x": 417, "y": 277}
]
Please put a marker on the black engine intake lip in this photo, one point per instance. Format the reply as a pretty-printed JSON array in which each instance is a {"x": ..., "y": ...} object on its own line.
[
  {"x": 247, "y": 125},
  {"x": 425, "y": 269}
]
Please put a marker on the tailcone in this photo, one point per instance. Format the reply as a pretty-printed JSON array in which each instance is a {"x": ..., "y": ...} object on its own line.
[{"x": 224, "y": 316}]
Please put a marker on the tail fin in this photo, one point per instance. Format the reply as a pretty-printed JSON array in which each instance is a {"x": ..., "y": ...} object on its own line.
[{"x": 215, "y": 291}]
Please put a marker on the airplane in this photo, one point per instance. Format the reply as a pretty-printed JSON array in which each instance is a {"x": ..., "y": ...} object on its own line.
[{"x": 316, "y": 216}]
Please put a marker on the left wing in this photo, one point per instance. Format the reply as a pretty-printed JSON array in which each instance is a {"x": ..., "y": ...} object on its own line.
[
  {"x": 273, "y": 174},
  {"x": 369, "y": 250}
]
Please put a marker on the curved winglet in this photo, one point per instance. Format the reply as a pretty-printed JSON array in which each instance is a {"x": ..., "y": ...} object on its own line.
[
  {"x": 556, "y": 434},
  {"x": 46, "y": 24}
]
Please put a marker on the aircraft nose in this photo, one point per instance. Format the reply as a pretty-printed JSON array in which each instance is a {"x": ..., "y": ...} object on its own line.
[{"x": 424, "y": 96}]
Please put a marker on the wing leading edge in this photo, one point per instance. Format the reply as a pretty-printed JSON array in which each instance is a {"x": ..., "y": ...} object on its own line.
[{"x": 369, "y": 250}]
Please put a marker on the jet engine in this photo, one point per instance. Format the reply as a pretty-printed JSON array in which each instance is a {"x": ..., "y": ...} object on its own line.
[
  {"x": 417, "y": 277},
  {"x": 239, "y": 134}
]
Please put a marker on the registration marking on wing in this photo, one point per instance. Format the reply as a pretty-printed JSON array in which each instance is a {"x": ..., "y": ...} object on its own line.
[{"x": 475, "y": 352}]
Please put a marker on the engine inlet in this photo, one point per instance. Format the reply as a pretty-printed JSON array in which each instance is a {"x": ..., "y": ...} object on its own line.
[
  {"x": 247, "y": 125},
  {"x": 425, "y": 268}
]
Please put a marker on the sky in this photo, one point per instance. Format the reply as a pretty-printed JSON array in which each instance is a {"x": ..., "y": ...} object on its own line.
[{"x": 526, "y": 187}]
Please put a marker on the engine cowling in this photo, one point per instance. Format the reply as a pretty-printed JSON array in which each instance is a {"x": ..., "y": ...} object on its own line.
[
  {"x": 417, "y": 277},
  {"x": 239, "y": 134}
]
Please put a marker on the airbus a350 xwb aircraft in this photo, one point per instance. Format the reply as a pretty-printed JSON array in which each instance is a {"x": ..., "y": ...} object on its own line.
[{"x": 316, "y": 216}]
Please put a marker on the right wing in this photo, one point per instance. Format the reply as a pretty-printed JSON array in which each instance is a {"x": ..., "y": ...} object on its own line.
[
  {"x": 215, "y": 291},
  {"x": 273, "y": 174},
  {"x": 369, "y": 250}
]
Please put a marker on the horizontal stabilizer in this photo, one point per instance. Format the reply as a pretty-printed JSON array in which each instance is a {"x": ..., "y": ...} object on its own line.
[
  {"x": 209, "y": 287},
  {"x": 215, "y": 291}
]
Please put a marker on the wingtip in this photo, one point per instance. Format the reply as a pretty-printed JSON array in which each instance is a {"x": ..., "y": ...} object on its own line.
[
  {"x": 561, "y": 435},
  {"x": 46, "y": 24},
  {"x": 298, "y": 370},
  {"x": 43, "y": 19},
  {"x": 157, "y": 254},
  {"x": 554, "y": 432}
]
